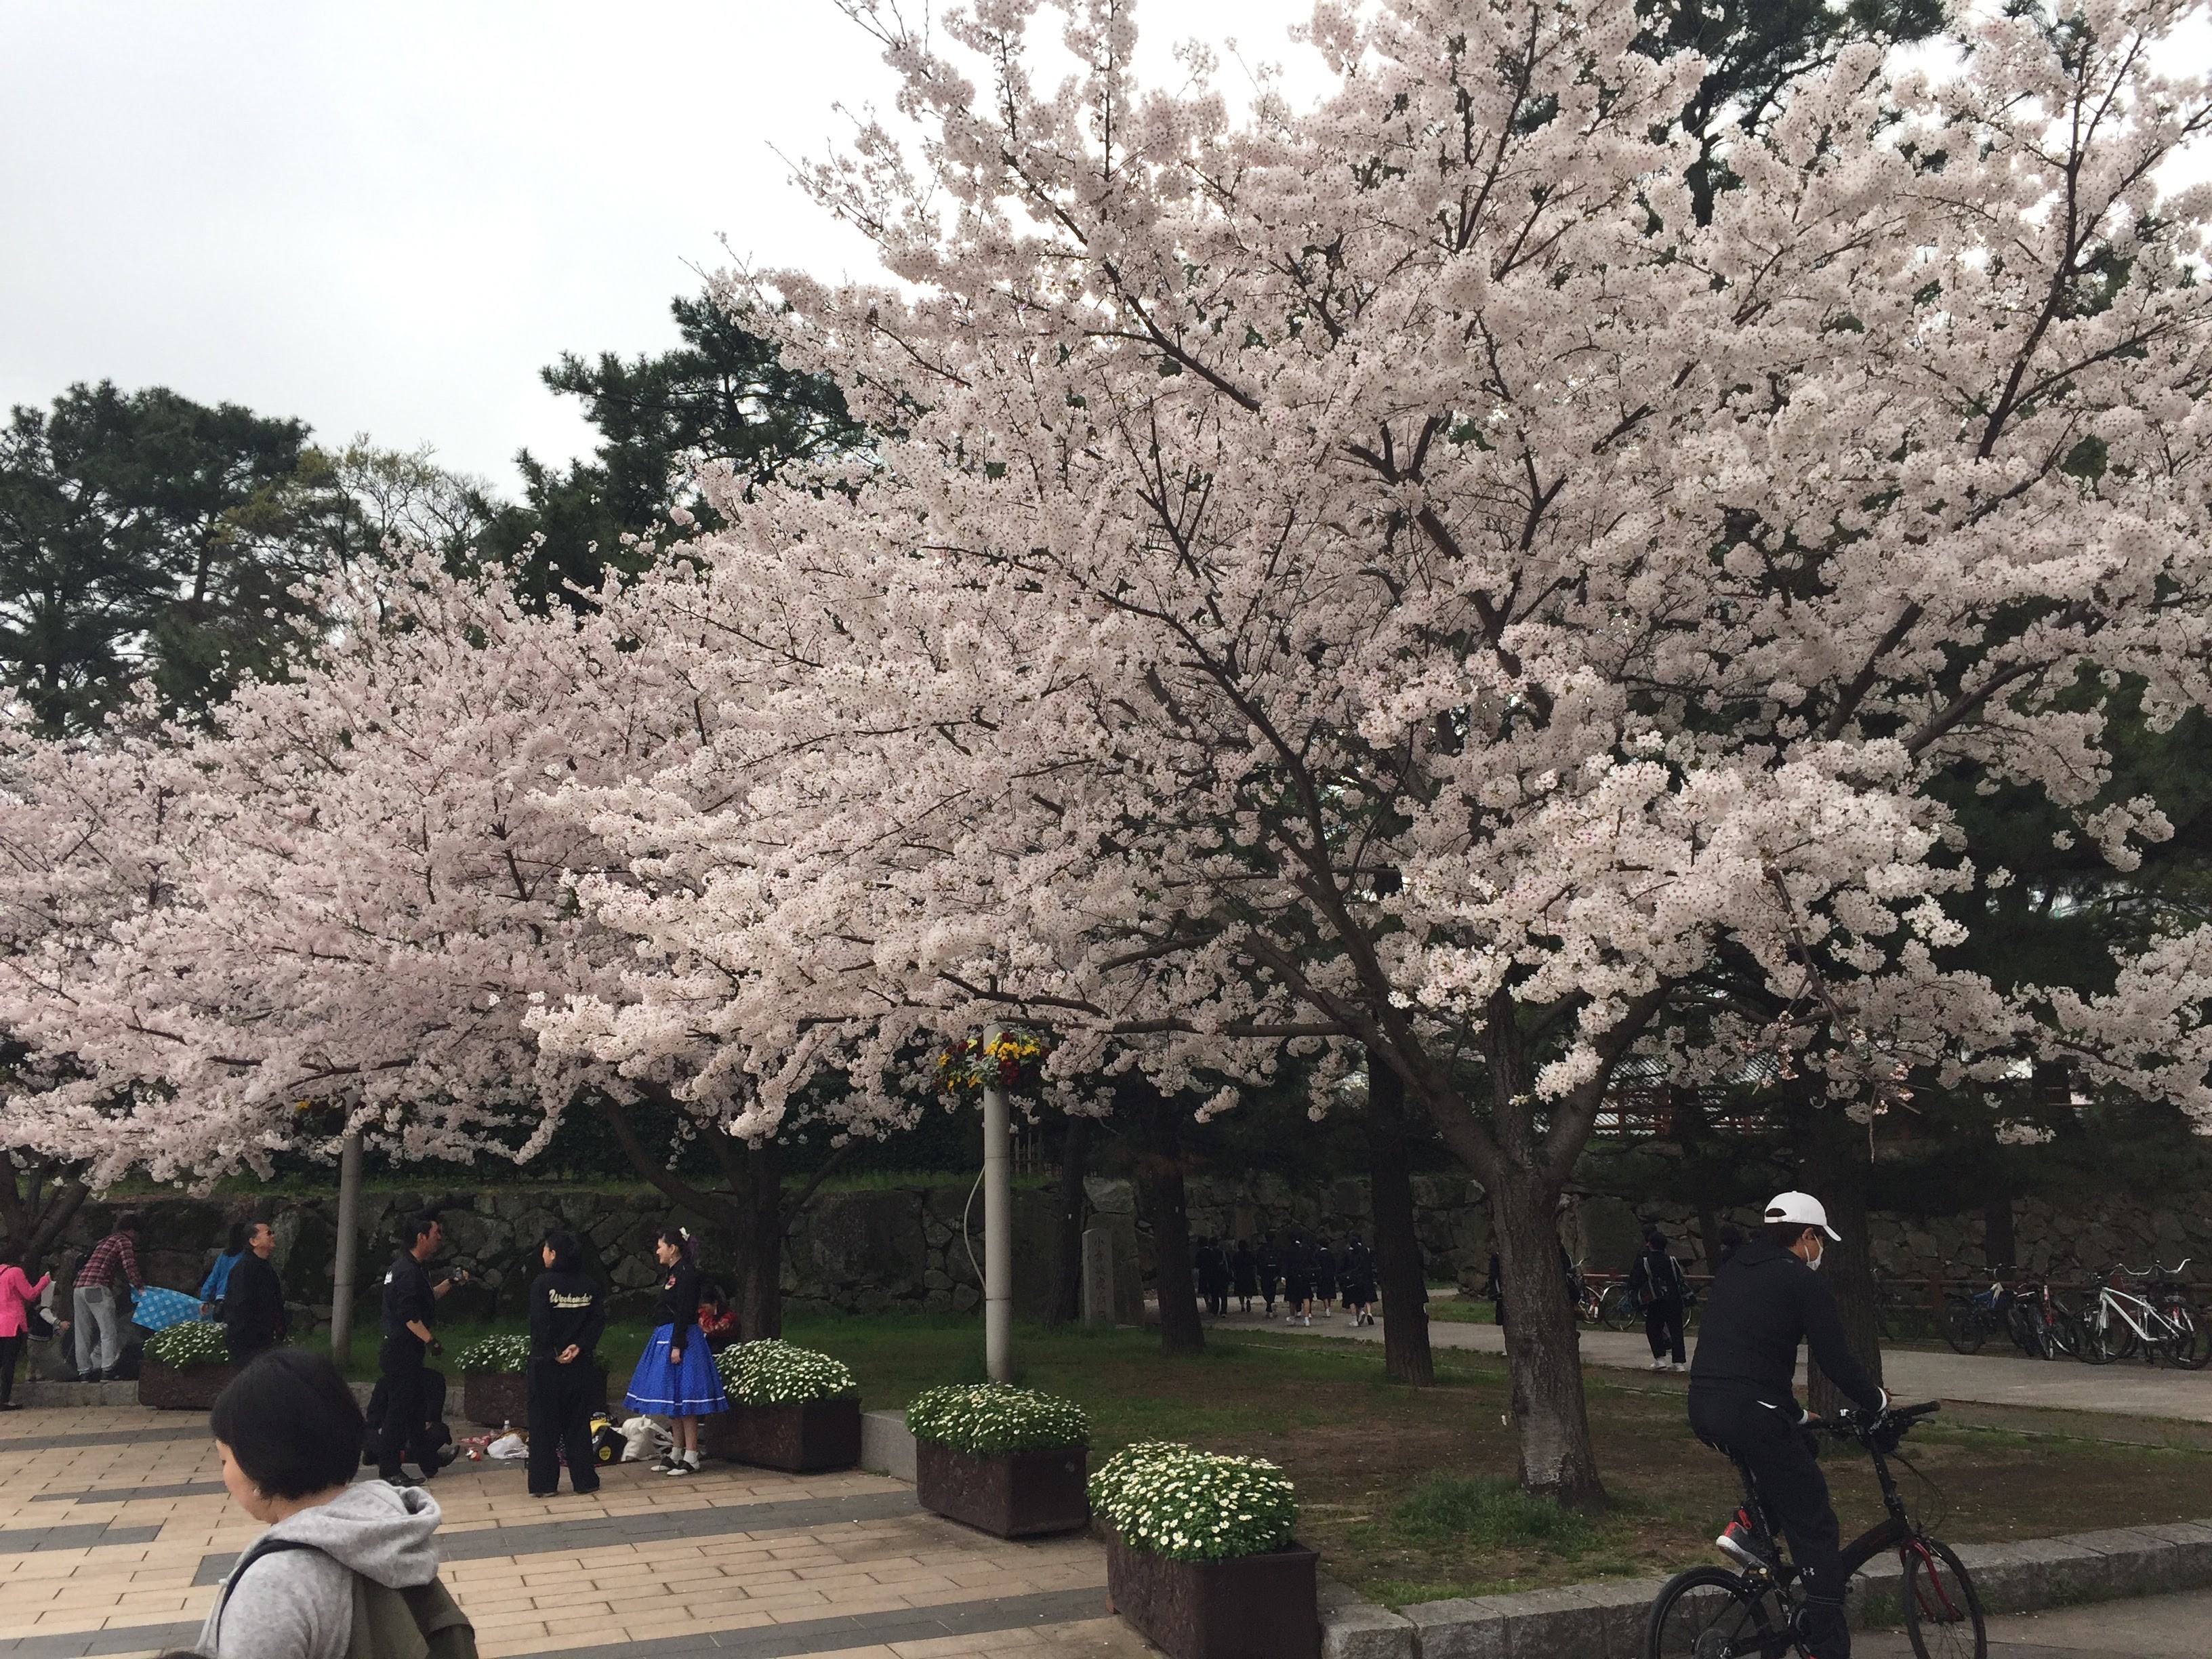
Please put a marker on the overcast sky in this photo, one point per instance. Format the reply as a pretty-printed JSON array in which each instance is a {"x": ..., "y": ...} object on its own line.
[{"x": 385, "y": 217}]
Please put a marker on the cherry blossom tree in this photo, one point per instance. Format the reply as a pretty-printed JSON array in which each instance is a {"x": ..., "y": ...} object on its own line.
[{"x": 1390, "y": 576}]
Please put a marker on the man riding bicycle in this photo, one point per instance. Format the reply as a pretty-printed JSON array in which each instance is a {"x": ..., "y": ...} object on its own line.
[{"x": 1767, "y": 1299}]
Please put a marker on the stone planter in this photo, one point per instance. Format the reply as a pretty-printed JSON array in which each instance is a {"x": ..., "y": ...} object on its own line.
[
  {"x": 492, "y": 1398},
  {"x": 1254, "y": 1607},
  {"x": 191, "y": 1389},
  {"x": 822, "y": 1434},
  {"x": 1021, "y": 1494}
]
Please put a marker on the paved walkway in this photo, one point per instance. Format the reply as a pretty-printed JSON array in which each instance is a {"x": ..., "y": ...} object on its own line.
[
  {"x": 2155, "y": 1627},
  {"x": 115, "y": 1530},
  {"x": 2008, "y": 1379}
]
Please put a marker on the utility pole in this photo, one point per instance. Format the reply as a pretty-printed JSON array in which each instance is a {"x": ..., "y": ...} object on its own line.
[
  {"x": 997, "y": 1221},
  {"x": 344, "y": 1267}
]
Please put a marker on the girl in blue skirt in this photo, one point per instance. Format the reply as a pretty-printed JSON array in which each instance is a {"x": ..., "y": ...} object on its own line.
[{"x": 676, "y": 1378}]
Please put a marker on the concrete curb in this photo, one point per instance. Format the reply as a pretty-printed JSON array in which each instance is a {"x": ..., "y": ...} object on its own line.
[
  {"x": 43, "y": 1393},
  {"x": 886, "y": 1446},
  {"x": 1605, "y": 1620}
]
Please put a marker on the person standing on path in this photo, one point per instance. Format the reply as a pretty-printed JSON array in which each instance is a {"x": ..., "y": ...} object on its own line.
[
  {"x": 217, "y": 1282},
  {"x": 1358, "y": 1279},
  {"x": 566, "y": 1316},
  {"x": 1655, "y": 1279},
  {"x": 101, "y": 1313},
  {"x": 1245, "y": 1269},
  {"x": 1213, "y": 1276},
  {"x": 1271, "y": 1269},
  {"x": 675, "y": 1378},
  {"x": 18, "y": 1299},
  {"x": 410, "y": 1308},
  {"x": 1324, "y": 1276},
  {"x": 253, "y": 1318},
  {"x": 1297, "y": 1282}
]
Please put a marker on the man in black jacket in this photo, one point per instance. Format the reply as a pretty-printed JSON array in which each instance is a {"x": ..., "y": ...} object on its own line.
[
  {"x": 410, "y": 1308},
  {"x": 566, "y": 1316},
  {"x": 253, "y": 1302},
  {"x": 1765, "y": 1300}
]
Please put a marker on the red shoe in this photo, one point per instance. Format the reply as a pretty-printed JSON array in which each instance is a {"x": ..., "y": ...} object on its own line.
[{"x": 1743, "y": 1545}]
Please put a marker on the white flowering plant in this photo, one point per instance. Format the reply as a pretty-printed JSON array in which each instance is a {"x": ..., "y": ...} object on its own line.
[
  {"x": 988, "y": 1419},
  {"x": 776, "y": 1373},
  {"x": 1192, "y": 1505},
  {"x": 505, "y": 1356},
  {"x": 194, "y": 1342}
]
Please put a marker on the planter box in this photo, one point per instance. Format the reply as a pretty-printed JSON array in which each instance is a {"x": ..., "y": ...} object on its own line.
[
  {"x": 1254, "y": 1607},
  {"x": 822, "y": 1434},
  {"x": 491, "y": 1398},
  {"x": 193, "y": 1388},
  {"x": 1021, "y": 1494}
]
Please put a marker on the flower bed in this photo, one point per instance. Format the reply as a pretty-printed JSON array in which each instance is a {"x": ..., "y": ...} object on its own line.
[
  {"x": 1008, "y": 1462},
  {"x": 1199, "y": 1556},
  {"x": 184, "y": 1367},
  {"x": 791, "y": 1408}
]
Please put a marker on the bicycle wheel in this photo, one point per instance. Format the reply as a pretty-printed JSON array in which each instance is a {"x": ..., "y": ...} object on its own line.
[
  {"x": 1613, "y": 1311},
  {"x": 2106, "y": 1337},
  {"x": 1943, "y": 1609},
  {"x": 1965, "y": 1327},
  {"x": 2065, "y": 1330},
  {"x": 2190, "y": 1345},
  {"x": 1710, "y": 1612},
  {"x": 2025, "y": 1325}
]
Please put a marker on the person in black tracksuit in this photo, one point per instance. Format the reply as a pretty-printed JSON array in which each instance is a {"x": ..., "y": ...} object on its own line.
[
  {"x": 1656, "y": 1281},
  {"x": 253, "y": 1317},
  {"x": 566, "y": 1314},
  {"x": 410, "y": 1308},
  {"x": 1764, "y": 1301}
]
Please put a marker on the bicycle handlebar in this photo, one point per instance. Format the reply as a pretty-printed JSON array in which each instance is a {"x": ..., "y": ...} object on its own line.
[{"x": 1850, "y": 1424}]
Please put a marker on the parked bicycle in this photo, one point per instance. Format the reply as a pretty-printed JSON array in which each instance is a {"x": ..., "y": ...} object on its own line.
[
  {"x": 1714, "y": 1612},
  {"x": 2149, "y": 1314},
  {"x": 1968, "y": 1321}
]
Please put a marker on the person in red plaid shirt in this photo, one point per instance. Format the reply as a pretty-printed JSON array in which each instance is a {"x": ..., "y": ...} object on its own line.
[{"x": 99, "y": 1311}]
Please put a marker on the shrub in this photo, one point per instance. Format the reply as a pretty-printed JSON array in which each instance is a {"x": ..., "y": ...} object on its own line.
[
  {"x": 1192, "y": 1505},
  {"x": 776, "y": 1373},
  {"x": 504, "y": 1356},
  {"x": 1489, "y": 1513},
  {"x": 194, "y": 1342},
  {"x": 990, "y": 1418}
]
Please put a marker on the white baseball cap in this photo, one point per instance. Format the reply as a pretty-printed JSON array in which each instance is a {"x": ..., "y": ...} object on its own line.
[{"x": 1803, "y": 1207}]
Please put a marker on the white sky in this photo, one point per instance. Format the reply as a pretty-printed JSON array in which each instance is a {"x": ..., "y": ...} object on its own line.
[{"x": 385, "y": 217}]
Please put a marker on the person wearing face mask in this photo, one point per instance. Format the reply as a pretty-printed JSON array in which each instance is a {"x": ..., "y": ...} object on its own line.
[{"x": 1767, "y": 1299}]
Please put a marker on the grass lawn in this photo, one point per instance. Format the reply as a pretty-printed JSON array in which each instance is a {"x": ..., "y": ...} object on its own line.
[{"x": 1408, "y": 1493}]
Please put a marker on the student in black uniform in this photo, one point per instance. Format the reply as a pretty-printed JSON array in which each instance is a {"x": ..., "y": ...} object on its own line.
[
  {"x": 410, "y": 1308},
  {"x": 1245, "y": 1269},
  {"x": 676, "y": 1376},
  {"x": 566, "y": 1314},
  {"x": 1767, "y": 1299}
]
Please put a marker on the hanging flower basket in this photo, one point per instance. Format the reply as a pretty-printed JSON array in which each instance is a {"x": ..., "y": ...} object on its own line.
[
  {"x": 1008, "y": 1462},
  {"x": 1013, "y": 1061},
  {"x": 1200, "y": 1557}
]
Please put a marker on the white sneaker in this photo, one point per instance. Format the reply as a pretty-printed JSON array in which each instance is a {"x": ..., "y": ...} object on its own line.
[
  {"x": 1658, "y": 1365},
  {"x": 1678, "y": 1367}
]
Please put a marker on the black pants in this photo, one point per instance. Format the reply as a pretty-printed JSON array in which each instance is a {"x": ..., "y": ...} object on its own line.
[
  {"x": 1764, "y": 1437},
  {"x": 403, "y": 1389},
  {"x": 1663, "y": 1327},
  {"x": 11, "y": 1349},
  {"x": 560, "y": 1399}
]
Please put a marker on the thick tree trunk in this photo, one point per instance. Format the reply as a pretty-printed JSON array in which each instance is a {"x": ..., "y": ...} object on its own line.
[
  {"x": 1405, "y": 1355},
  {"x": 1832, "y": 1154},
  {"x": 38, "y": 1201},
  {"x": 2000, "y": 1244},
  {"x": 1543, "y": 1349},
  {"x": 1182, "y": 1330},
  {"x": 1066, "y": 1305},
  {"x": 755, "y": 1177}
]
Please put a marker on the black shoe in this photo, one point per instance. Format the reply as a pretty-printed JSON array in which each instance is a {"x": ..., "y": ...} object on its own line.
[
  {"x": 545, "y": 1494},
  {"x": 401, "y": 1481}
]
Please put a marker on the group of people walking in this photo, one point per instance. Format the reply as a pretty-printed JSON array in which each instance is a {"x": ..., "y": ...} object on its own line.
[{"x": 1306, "y": 1276}]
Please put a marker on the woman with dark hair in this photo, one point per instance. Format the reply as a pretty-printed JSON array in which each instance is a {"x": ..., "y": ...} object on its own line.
[
  {"x": 19, "y": 1300},
  {"x": 216, "y": 1285},
  {"x": 676, "y": 1376},
  {"x": 288, "y": 1431},
  {"x": 566, "y": 1314}
]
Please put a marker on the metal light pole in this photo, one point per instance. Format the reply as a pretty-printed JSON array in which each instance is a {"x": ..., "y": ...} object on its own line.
[
  {"x": 997, "y": 1222},
  {"x": 344, "y": 1266}
]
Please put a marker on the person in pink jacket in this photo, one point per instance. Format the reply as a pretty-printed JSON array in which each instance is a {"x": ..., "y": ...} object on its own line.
[{"x": 18, "y": 1296}]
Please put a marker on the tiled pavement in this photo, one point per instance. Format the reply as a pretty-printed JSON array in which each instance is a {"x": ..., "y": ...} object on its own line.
[{"x": 114, "y": 1530}]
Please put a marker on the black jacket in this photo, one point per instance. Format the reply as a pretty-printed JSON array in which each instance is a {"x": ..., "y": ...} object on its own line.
[
  {"x": 1763, "y": 1304},
  {"x": 679, "y": 1304},
  {"x": 1655, "y": 1276},
  {"x": 566, "y": 1309},
  {"x": 253, "y": 1306},
  {"x": 407, "y": 1295}
]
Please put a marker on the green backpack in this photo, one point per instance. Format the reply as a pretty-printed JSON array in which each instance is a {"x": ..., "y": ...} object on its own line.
[{"x": 423, "y": 1622}]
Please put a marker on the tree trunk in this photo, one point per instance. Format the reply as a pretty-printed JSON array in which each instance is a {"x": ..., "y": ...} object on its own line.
[
  {"x": 1543, "y": 1349},
  {"x": 1406, "y": 1356},
  {"x": 1066, "y": 1305},
  {"x": 38, "y": 1201},
  {"x": 1182, "y": 1330},
  {"x": 2000, "y": 1244},
  {"x": 754, "y": 1176},
  {"x": 1833, "y": 1161}
]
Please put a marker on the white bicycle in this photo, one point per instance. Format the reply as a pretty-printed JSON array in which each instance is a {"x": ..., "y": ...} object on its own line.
[{"x": 2150, "y": 1315}]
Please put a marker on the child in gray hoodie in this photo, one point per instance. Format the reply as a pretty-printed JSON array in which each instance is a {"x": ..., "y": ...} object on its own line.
[{"x": 290, "y": 1432}]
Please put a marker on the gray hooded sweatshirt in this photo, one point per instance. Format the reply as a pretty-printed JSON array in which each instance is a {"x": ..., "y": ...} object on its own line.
[{"x": 298, "y": 1603}]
